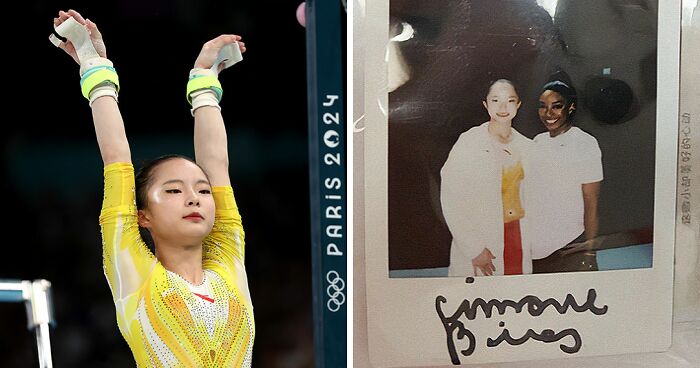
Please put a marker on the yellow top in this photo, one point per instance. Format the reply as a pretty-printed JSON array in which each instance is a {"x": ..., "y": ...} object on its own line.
[
  {"x": 166, "y": 321},
  {"x": 510, "y": 190}
]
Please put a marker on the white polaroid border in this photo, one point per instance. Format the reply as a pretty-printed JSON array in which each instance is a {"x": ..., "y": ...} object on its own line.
[
  {"x": 687, "y": 253},
  {"x": 623, "y": 311}
]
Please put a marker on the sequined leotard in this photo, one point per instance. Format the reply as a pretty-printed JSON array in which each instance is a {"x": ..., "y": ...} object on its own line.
[{"x": 166, "y": 321}]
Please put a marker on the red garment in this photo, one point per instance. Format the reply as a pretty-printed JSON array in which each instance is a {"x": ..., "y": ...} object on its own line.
[{"x": 512, "y": 249}]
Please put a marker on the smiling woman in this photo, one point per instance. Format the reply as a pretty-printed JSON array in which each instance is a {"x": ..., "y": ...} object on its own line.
[
  {"x": 481, "y": 193},
  {"x": 571, "y": 160},
  {"x": 188, "y": 305}
]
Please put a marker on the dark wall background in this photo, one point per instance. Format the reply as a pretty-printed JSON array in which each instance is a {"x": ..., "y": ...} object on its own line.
[
  {"x": 52, "y": 171},
  {"x": 461, "y": 45}
]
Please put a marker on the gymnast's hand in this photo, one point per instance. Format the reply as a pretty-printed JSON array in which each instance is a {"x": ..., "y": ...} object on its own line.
[
  {"x": 484, "y": 263},
  {"x": 210, "y": 50},
  {"x": 95, "y": 35}
]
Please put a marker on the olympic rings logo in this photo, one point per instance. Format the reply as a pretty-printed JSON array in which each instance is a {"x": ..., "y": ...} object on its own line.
[{"x": 335, "y": 291}]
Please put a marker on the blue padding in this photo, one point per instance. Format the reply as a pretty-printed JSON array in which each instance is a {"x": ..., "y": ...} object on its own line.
[
  {"x": 633, "y": 256},
  {"x": 419, "y": 272},
  {"x": 7, "y": 296}
]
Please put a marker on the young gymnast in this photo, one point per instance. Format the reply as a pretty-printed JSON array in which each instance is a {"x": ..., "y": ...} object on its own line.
[
  {"x": 188, "y": 304},
  {"x": 483, "y": 192}
]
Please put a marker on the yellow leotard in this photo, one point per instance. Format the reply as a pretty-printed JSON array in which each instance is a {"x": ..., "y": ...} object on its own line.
[
  {"x": 166, "y": 321},
  {"x": 510, "y": 191}
]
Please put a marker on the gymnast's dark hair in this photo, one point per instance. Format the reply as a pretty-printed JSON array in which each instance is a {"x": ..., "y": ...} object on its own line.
[
  {"x": 560, "y": 82},
  {"x": 145, "y": 176},
  {"x": 501, "y": 80}
]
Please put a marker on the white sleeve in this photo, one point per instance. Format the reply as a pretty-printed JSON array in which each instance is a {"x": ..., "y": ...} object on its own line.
[
  {"x": 467, "y": 201},
  {"x": 590, "y": 167}
]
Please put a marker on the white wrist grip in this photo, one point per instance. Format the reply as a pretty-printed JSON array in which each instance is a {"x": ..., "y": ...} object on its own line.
[
  {"x": 228, "y": 55},
  {"x": 79, "y": 36}
]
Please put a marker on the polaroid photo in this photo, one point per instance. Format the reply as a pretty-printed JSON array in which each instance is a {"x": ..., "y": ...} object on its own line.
[{"x": 517, "y": 178}]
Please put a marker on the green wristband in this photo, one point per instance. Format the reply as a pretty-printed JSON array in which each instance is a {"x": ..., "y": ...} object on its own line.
[
  {"x": 97, "y": 77},
  {"x": 204, "y": 82}
]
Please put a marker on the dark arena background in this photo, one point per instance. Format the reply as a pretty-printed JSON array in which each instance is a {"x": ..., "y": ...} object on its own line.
[{"x": 52, "y": 171}]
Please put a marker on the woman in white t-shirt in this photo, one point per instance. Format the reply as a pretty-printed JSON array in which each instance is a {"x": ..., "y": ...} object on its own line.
[{"x": 572, "y": 173}]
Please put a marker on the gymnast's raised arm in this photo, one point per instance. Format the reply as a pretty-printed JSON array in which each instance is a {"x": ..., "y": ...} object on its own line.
[
  {"x": 99, "y": 82},
  {"x": 210, "y": 142}
]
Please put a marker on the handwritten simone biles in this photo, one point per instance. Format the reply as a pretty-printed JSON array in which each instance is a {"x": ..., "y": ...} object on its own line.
[{"x": 455, "y": 324}]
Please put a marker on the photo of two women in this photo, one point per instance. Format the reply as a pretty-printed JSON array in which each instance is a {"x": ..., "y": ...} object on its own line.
[{"x": 518, "y": 144}]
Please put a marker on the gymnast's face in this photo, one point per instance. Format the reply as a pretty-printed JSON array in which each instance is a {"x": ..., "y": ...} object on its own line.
[
  {"x": 502, "y": 102},
  {"x": 554, "y": 113},
  {"x": 180, "y": 204}
]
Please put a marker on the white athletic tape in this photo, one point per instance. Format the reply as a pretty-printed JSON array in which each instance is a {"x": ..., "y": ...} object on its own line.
[
  {"x": 55, "y": 40},
  {"x": 79, "y": 36},
  {"x": 103, "y": 90},
  {"x": 94, "y": 62},
  {"x": 228, "y": 55},
  {"x": 204, "y": 98}
]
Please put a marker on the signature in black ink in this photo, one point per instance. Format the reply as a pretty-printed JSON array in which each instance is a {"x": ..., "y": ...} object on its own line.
[
  {"x": 535, "y": 307},
  {"x": 544, "y": 336}
]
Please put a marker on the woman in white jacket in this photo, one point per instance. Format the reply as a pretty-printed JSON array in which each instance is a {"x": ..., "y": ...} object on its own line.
[{"x": 483, "y": 192}]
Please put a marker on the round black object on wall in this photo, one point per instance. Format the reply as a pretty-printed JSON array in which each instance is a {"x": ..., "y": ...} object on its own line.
[{"x": 609, "y": 100}]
